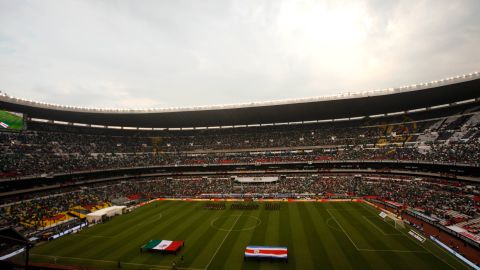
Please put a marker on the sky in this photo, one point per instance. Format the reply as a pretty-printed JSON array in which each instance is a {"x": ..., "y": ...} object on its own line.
[{"x": 159, "y": 53}]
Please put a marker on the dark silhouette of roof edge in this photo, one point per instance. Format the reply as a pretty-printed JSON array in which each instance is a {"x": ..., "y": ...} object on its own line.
[{"x": 262, "y": 113}]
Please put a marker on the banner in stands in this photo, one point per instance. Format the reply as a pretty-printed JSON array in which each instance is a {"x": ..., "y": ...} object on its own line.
[
  {"x": 465, "y": 233},
  {"x": 259, "y": 179},
  {"x": 392, "y": 203},
  {"x": 417, "y": 236}
]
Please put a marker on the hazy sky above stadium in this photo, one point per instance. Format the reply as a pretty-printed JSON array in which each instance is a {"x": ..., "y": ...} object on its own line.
[{"x": 142, "y": 54}]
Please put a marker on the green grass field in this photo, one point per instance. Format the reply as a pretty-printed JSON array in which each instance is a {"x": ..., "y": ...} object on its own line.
[{"x": 318, "y": 235}]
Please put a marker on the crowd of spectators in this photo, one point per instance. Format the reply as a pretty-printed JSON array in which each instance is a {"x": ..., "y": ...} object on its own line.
[
  {"x": 438, "y": 198},
  {"x": 56, "y": 150},
  {"x": 28, "y": 211},
  {"x": 46, "y": 149}
]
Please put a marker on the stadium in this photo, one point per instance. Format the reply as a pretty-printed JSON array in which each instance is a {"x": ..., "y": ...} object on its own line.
[
  {"x": 239, "y": 134},
  {"x": 384, "y": 179}
]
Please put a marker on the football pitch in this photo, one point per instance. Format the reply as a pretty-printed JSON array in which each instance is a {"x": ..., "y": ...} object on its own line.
[{"x": 337, "y": 235}]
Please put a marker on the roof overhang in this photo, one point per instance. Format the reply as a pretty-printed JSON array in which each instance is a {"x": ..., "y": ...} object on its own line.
[{"x": 342, "y": 106}]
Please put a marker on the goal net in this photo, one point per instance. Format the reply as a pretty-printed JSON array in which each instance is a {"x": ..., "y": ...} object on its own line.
[{"x": 392, "y": 220}]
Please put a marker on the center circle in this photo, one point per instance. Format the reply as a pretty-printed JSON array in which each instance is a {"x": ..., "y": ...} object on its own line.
[{"x": 252, "y": 223}]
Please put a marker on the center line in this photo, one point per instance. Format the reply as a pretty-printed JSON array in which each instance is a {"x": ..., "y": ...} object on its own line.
[{"x": 215, "y": 254}]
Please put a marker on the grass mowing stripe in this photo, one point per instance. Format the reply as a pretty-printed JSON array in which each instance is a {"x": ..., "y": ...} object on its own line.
[
  {"x": 303, "y": 255},
  {"x": 285, "y": 233},
  {"x": 199, "y": 234},
  {"x": 374, "y": 225},
  {"x": 354, "y": 227},
  {"x": 205, "y": 244},
  {"x": 319, "y": 254},
  {"x": 272, "y": 224},
  {"x": 335, "y": 255},
  {"x": 257, "y": 237},
  {"x": 332, "y": 215},
  {"x": 355, "y": 258},
  {"x": 232, "y": 251},
  {"x": 219, "y": 246}
]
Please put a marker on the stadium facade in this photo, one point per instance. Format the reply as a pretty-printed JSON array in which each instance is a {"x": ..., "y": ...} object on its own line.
[{"x": 426, "y": 134}]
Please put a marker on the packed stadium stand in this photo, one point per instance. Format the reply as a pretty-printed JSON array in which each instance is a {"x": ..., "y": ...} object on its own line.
[{"x": 414, "y": 150}]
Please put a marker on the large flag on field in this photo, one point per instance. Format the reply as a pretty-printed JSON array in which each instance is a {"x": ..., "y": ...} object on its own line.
[
  {"x": 166, "y": 245},
  {"x": 266, "y": 252}
]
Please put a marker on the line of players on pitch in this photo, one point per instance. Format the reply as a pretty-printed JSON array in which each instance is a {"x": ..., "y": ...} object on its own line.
[{"x": 240, "y": 206}]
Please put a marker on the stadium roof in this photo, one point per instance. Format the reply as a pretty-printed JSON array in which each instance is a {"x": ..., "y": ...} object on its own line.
[{"x": 348, "y": 105}]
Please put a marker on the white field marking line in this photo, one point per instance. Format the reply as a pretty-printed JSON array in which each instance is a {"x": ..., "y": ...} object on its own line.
[
  {"x": 221, "y": 244},
  {"x": 258, "y": 222},
  {"x": 329, "y": 225},
  {"x": 114, "y": 262},
  {"x": 421, "y": 245},
  {"x": 371, "y": 250},
  {"x": 378, "y": 228},
  {"x": 338, "y": 223}
]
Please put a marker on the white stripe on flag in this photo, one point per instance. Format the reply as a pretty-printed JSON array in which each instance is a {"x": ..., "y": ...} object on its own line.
[
  {"x": 163, "y": 245},
  {"x": 3, "y": 125}
]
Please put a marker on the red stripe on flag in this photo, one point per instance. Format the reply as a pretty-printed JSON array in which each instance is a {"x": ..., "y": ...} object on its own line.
[
  {"x": 175, "y": 245},
  {"x": 267, "y": 251}
]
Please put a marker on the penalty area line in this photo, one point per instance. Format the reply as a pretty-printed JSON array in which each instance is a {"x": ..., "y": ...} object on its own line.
[
  {"x": 378, "y": 228},
  {"x": 341, "y": 227}
]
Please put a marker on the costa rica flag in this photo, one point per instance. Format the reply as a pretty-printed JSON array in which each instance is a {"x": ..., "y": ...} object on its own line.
[{"x": 266, "y": 252}]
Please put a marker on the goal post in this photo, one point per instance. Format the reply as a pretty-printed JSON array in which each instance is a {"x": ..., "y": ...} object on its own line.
[{"x": 393, "y": 220}]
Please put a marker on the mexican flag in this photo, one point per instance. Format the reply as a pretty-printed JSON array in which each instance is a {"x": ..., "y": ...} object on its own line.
[{"x": 167, "y": 245}]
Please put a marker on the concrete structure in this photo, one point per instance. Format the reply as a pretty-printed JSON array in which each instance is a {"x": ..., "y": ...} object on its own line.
[{"x": 105, "y": 212}]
